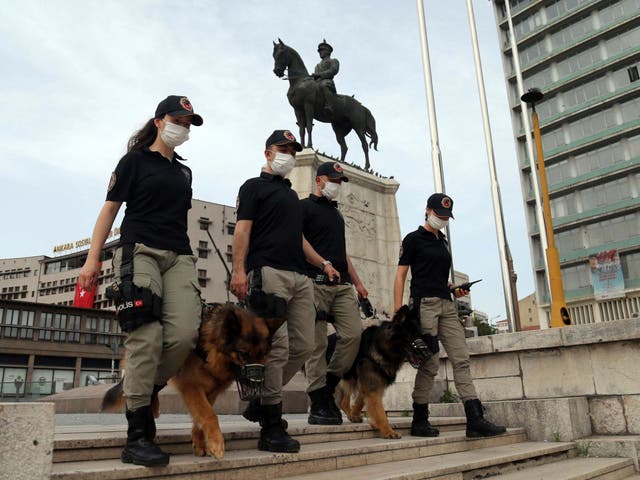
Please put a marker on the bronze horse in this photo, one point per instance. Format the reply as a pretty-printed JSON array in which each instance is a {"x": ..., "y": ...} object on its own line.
[{"x": 304, "y": 96}]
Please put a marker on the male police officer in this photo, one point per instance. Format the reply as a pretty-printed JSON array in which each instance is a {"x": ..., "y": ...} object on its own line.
[
  {"x": 425, "y": 252},
  {"x": 269, "y": 256},
  {"x": 324, "y": 72},
  {"x": 323, "y": 227}
]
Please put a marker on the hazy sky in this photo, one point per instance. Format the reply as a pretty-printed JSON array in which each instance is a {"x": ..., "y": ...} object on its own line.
[{"x": 80, "y": 76}]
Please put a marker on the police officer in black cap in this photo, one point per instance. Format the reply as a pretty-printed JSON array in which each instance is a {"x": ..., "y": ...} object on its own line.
[
  {"x": 270, "y": 255},
  {"x": 336, "y": 301},
  {"x": 324, "y": 73},
  {"x": 158, "y": 303},
  {"x": 425, "y": 251}
]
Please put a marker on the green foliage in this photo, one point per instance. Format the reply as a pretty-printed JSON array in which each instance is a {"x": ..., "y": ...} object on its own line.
[
  {"x": 556, "y": 436},
  {"x": 449, "y": 397},
  {"x": 583, "y": 448},
  {"x": 484, "y": 328}
]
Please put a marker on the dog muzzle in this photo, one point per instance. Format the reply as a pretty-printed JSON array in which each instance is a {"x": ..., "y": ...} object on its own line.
[
  {"x": 418, "y": 352},
  {"x": 249, "y": 379}
]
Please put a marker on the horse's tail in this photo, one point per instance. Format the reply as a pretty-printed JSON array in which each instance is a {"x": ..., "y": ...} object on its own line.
[{"x": 370, "y": 130}]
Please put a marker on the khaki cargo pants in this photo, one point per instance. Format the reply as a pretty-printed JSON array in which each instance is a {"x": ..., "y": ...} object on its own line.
[
  {"x": 439, "y": 316},
  {"x": 156, "y": 350},
  {"x": 341, "y": 302},
  {"x": 292, "y": 343}
]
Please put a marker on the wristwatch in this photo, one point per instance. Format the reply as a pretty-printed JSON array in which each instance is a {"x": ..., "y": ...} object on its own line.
[{"x": 325, "y": 263}]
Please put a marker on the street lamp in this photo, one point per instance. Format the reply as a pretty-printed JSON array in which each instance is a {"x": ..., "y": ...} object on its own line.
[{"x": 559, "y": 313}]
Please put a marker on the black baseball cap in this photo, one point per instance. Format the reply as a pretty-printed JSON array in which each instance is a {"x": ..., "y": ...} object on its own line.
[
  {"x": 178, "y": 106},
  {"x": 441, "y": 204},
  {"x": 283, "y": 137},
  {"x": 333, "y": 170}
]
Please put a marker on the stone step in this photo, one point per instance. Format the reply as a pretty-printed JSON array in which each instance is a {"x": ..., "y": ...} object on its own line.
[
  {"x": 315, "y": 457},
  {"x": 619, "y": 446},
  {"x": 577, "y": 468},
  {"x": 86, "y": 442},
  {"x": 479, "y": 463}
]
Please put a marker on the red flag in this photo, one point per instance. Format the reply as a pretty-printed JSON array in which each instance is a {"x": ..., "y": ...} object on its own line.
[{"x": 84, "y": 298}]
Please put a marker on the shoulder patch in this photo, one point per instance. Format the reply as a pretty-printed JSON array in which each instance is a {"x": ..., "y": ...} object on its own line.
[
  {"x": 112, "y": 181},
  {"x": 237, "y": 202},
  {"x": 186, "y": 173},
  {"x": 400, "y": 256}
]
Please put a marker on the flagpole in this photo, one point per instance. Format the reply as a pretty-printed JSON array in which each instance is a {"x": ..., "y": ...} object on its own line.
[
  {"x": 507, "y": 285},
  {"x": 532, "y": 164},
  {"x": 436, "y": 157}
]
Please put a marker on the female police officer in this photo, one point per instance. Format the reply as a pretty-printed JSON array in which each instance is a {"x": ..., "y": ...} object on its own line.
[
  {"x": 425, "y": 252},
  {"x": 157, "y": 295}
]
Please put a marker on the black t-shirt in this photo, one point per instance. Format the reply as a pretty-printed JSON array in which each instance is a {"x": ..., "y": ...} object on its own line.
[
  {"x": 276, "y": 232},
  {"x": 323, "y": 227},
  {"x": 430, "y": 261},
  {"x": 158, "y": 196}
]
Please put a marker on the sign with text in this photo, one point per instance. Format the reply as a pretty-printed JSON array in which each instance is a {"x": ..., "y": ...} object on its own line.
[{"x": 606, "y": 275}]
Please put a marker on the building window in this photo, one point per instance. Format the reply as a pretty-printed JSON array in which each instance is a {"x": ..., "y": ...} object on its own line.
[
  {"x": 231, "y": 228},
  {"x": 91, "y": 326},
  {"x": 26, "y": 320},
  {"x": 203, "y": 249},
  {"x": 73, "y": 326},
  {"x": 46, "y": 321},
  {"x": 202, "y": 282},
  {"x": 204, "y": 223},
  {"x": 11, "y": 323},
  {"x": 633, "y": 74},
  {"x": 60, "y": 324}
]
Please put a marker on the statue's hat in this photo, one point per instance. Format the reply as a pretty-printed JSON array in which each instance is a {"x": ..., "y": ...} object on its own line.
[{"x": 324, "y": 44}]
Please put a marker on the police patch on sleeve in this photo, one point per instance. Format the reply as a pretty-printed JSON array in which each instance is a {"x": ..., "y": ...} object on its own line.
[
  {"x": 112, "y": 181},
  {"x": 400, "y": 256}
]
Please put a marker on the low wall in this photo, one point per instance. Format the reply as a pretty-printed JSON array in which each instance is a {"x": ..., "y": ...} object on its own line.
[
  {"x": 26, "y": 440},
  {"x": 595, "y": 363}
]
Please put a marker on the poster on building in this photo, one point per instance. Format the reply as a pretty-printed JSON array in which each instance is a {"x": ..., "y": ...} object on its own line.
[{"x": 606, "y": 275}]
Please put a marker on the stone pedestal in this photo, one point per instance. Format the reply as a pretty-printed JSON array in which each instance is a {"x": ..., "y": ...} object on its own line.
[
  {"x": 368, "y": 205},
  {"x": 26, "y": 440}
]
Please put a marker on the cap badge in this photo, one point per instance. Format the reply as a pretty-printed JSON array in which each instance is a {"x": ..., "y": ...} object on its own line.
[
  {"x": 446, "y": 202},
  {"x": 186, "y": 104},
  {"x": 337, "y": 167},
  {"x": 289, "y": 136}
]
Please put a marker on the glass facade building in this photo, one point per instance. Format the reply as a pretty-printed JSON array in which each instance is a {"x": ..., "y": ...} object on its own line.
[{"x": 585, "y": 57}]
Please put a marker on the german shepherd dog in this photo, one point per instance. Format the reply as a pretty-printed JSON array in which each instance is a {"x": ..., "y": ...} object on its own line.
[
  {"x": 230, "y": 337},
  {"x": 383, "y": 349}
]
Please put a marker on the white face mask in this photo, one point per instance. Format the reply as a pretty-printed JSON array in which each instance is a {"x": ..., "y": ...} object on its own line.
[
  {"x": 331, "y": 190},
  {"x": 436, "y": 222},
  {"x": 173, "y": 135},
  {"x": 283, "y": 163}
]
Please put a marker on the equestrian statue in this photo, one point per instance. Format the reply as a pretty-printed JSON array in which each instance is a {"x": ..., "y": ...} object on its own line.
[{"x": 315, "y": 96}]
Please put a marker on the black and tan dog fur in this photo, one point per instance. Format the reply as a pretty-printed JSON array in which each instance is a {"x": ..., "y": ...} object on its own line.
[
  {"x": 230, "y": 336},
  {"x": 381, "y": 354}
]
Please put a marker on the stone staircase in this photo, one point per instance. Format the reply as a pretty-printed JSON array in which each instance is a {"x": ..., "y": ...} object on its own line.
[{"x": 352, "y": 451}]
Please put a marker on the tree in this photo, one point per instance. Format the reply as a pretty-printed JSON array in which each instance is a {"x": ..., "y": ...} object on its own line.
[{"x": 483, "y": 327}]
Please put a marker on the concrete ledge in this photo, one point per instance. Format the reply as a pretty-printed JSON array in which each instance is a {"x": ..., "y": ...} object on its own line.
[
  {"x": 554, "y": 419},
  {"x": 26, "y": 440},
  {"x": 620, "y": 330},
  {"x": 88, "y": 399},
  {"x": 617, "y": 446}
]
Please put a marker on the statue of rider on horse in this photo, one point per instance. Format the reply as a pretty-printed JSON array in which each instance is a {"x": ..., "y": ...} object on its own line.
[{"x": 315, "y": 97}]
